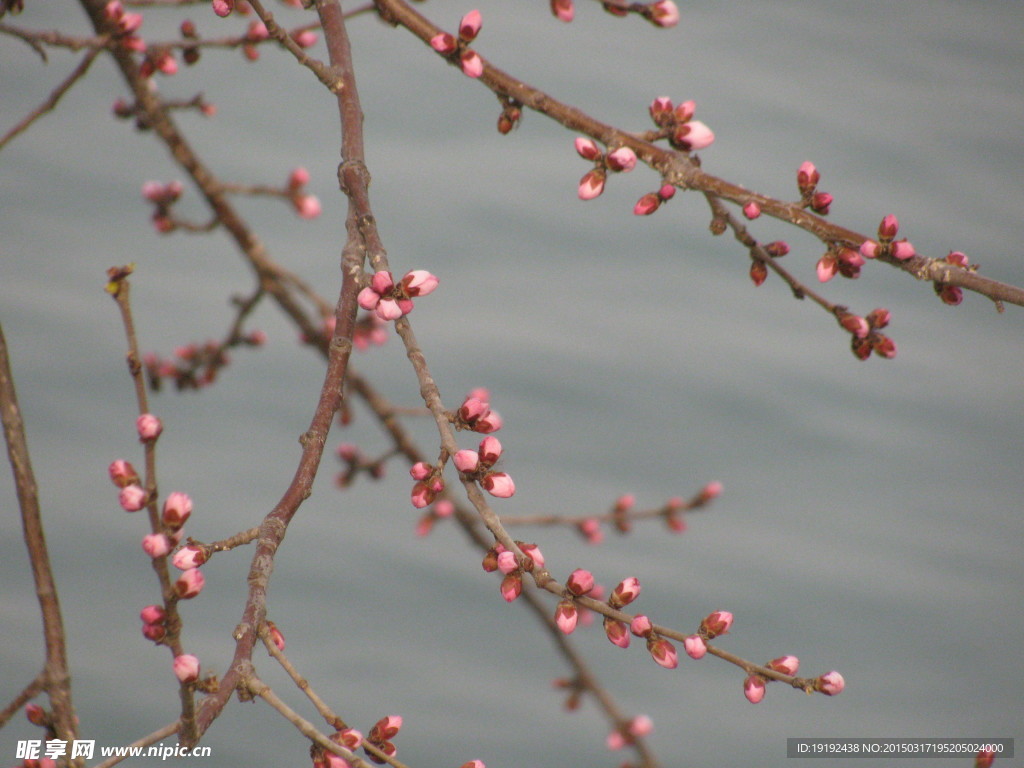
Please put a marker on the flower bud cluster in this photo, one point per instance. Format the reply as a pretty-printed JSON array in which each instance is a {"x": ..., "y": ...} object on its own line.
[
  {"x": 306, "y": 205},
  {"x": 127, "y": 25},
  {"x": 429, "y": 483},
  {"x": 500, "y": 559},
  {"x": 478, "y": 466},
  {"x": 627, "y": 734},
  {"x": 196, "y": 365},
  {"x": 953, "y": 294},
  {"x": 865, "y": 334},
  {"x": 839, "y": 260},
  {"x": 163, "y": 196},
  {"x": 441, "y": 509},
  {"x": 567, "y": 613},
  {"x": 458, "y": 48},
  {"x": 380, "y": 736},
  {"x": 678, "y": 126},
  {"x": 652, "y": 201},
  {"x": 620, "y": 159},
  {"x": 355, "y": 462},
  {"x": 886, "y": 245},
  {"x": 807, "y": 178},
  {"x": 475, "y": 413},
  {"x": 754, "y": 685},
  {"x": 390, "y": 301}
]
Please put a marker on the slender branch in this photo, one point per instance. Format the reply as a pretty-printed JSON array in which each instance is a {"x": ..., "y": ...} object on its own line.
[{"x": 145, "y": 741}]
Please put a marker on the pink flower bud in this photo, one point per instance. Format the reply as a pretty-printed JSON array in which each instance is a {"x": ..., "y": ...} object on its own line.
[
  {"x": 132, "y": 498},
  {"x": 156, "y": 545},
  {"x": 647, "y": 204},
  {"x": 472, "y": 64},
  {"x": 511, "y": 586},
  {"x": 498, "y": 484},
  {"x": 153, "y": 614},
  {"x": 177, "y": 509},
  {"x": 685, "y": 111},
  {"x": 307, "y": 206},
  {"x": 591, "y": 530},
  {"x": 591, "y": 185},
  {"x": 888, "y": 228},
  {"x": 641, "y": 725},
  {"x": 787, "y": 665},
  {"x": 717, "y": 623},
  {"x": 693, "y": 135},
  {"x": 625, "y": 593},
  {"x": 855, "y": 324},
  {"x": 851, "y": 257},
  {"x": 563, "y": 10},
  {"x": 223, "y": 7},
  {"x": 695, "y": 646},
  {"x": 154, "y": 632},
  {"x": 191, "y": 556},
  {"x": 777, "y": 248},
  {"x": 385, "y": 729},
  {"x": 35, "y": 714},
  {"x": 421, "y": 470},
  {"x": 419, "y": 282},
  {"x": 660, "y": 109},
  {"x": 958, "y": 258},
  {"x": 807, "y": 176},
  {"x": 470, "y": 25},
  {"x": 566, "y": 616},
  {"x": 615, "y": 741},
  {"x": 827, "y": 267},
  {"x": 950, "y": 294},
  {"x": 752, "y": 210},
  {"x": 533, "y": 554},
  {"x": 490, "y": 451},
  {"x": 466, "y": 461},
  {"x": 710, "y": 491},
  {"x": 869, "y": 249},
  {"x": 879, "y": 318},
  {"x": 186, "y": 668},
  {"x": 641, "y": 625},
  {"x": 422, "y": 495},
  {"x": 820, "y": 202},
  {"x": 306, "y": 38},
  {"x": 664, "y": 13},
  {"x": 276, "y": 636},
  {"x": 507, "y": 562},
  {"x": 580, "y": 582},
  {"x": 443, "y": 43},
  {"x": 831, "y": 683},
  {"x": 587, "y": 148},
  {"x": 903, "y": 250},
  {"x": 622, "y": 159},
  {"x": 617, "y": 632},
  {"x": 883, "y": 346},
  {"x": 753, "y": 688},
  {"x": 122, "y": 473},
  {"x": 666, "y": 192},
  {"x": 444, "y": 508},
  {"x": 149, "y": 427},
  {"x": 349, "y": 738},
  {"x": 190, "y": 583},
  {"x": 663, "y": 652}
]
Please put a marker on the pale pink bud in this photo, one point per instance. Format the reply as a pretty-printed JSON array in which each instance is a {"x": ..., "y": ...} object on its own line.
[
  {"x": 903, "y": 250},
  {"x": 831, "y": 683},
  {"x": 177, "y": 509},
  {"x": 591, "y": 529},
  {"x": 958, "y": 258},
  {"x": 752, "y": 210},
  {"x": 388, "y": 309},
  {"x": 647, "y": 204},
  {"x": 615, "y": 741},
  {"x": 386, "y": 728},
  {"x": 444, "y": 508},
  {"x": 306, "y": 38},
  {"x": 617, "y": 632},
  {"x": 694, "y": 135},
  {"x": 470, "y": 25},
  {"x": 787, "y": 665},
  {"x": 511, "y": 586},
  {"x": 827, "y": 267},
  {"x": 490, "y": 451},
  {"x": 534, "y": 555},
  {"x": 591, "y": 185},
  {"x": 507, "y": 562},
  {"x": 368, "y": 299},
  {"x": 660, "y": 109},
  {"x": 490, "y": 422},
  {"x": 855, "y": 324},
  {"x": 422, "y": 495},
  {"x": 223, "y": 7},
  {"x": 307, "y": 206},
  {"x": 641, "y": 725},
  {"x": 753, "y": 688},
  {"x": 420, "y": 470},
  {"x": 190, "y": 583},
  {"x": 153, "y": 614},
  {"x": 566, "y": 616},
  {"x": 186, "y": 668},
  {"x": 625, "y": 593},
  {"x": 869, "y": 249},
  {"x": 622, "y": 159},
  {"x": 166, "y": 63},
  {"x": 276, "y": 636},
  {"x": 717, "y": 623},
  {"x": 132, "y": 498},
  {"x": 641, "y": 625},
  {"x": 711, "y": 491},
  {"x": 580, "y": 582},
  {"x": 443, "y": 43},
  {"x": 472, "y": 64},
  {"x": 663, "y": 652},
  {"x": 122, "y": 473},
  {"x": 563, "y": 10},
  {"x": 149, "y": 427},
  {"x": 665, "y": 13},
  {"x": 695, "y": 646},
  {"x": 888, "y": 228},
  {"x": 257, "y": 30},
  {"x": 498, "y": 484},
  {"x": 466, "y": 460},
  {"x": 587, "y": 148},
  {"x": 807, "y": 176},
  {"x": 191, "y": 556},
  {"x": 156, "y": 545},
  {"x": 419, "y": 282},
  {"x": 685, "y": 111}
]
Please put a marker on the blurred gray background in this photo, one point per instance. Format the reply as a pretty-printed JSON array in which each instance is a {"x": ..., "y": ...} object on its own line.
[{"x": 871, "y": 518}]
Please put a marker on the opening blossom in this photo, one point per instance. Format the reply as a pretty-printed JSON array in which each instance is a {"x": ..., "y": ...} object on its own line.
[{"x": 390, "y": 301}]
